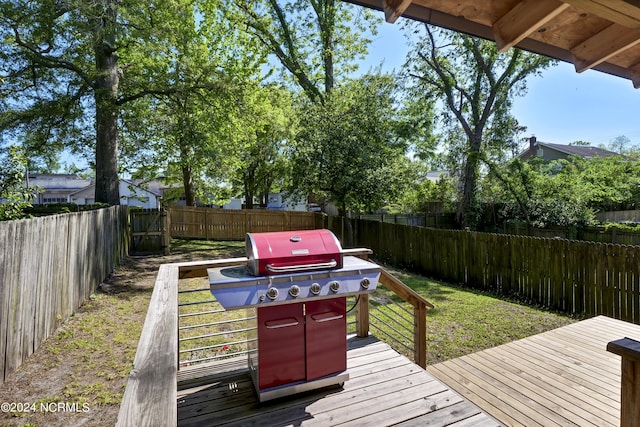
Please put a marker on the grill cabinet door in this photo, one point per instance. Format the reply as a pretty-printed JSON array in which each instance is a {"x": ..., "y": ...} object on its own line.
[
  {"x": 281, "y": 349},
  {"x": 326, "y": 330}
]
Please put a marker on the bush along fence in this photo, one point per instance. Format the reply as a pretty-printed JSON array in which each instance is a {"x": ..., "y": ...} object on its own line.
[
  {"x": 576, "y": 277},
  {"x": 48, "y": 267}
]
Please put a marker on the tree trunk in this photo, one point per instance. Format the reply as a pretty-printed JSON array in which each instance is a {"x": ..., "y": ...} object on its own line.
[
  {"x": 187, "y": 173},
  {"x": 248, "y": 198},
  {"x": 249, "y": 180},
  {"x": 105, "y": 95},
  {"x": 187, "y": 179},
  {"x": 468, "y": 212},
  {"x": 327, "y": 30}
]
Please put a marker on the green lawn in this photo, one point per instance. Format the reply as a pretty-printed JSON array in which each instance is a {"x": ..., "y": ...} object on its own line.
[{"x": 464, "y": 320}]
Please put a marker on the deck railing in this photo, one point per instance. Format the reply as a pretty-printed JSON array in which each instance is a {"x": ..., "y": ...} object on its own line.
[
  {"x": 629, "y": 350},
  {"x": 150, "y": 397}
]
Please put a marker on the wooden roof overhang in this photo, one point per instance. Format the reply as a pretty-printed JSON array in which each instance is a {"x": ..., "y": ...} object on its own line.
[{"x": 602, "y": 35}]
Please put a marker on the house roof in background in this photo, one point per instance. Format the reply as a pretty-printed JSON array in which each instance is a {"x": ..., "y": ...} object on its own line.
[
  {"x": 58, "y": 181},
  {"x": 602, "y": 35},
  {"x": 586, "y": 151}
]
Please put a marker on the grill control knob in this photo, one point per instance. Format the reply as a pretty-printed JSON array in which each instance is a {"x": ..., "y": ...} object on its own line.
[
  {"x": 272, "y": 293},
  {"x": 334, "y": 286},
  {"x": 315, "y": 288},
  {"x": 294, "y": 291},
  {"x": 365, "y": 283}
]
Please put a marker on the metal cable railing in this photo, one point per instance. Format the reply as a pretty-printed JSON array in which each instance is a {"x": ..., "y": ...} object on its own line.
[{"x": 206, "y": 331}]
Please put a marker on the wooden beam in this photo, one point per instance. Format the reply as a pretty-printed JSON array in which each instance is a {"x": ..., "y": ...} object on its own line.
[
  {"x": 635, "y": 76},
  {"x": 617, "y": 11},
  {"x": 393, "y": 9},
  {"x": 525, "y": 18},
  {"x": 604, "y": 45}
]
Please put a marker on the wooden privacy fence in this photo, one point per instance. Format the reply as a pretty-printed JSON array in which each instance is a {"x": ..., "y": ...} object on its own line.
[
  {"x": 224, "y": 224},
  {"x": 48, "y": 267},
  {"x": 573, "y": 276}
]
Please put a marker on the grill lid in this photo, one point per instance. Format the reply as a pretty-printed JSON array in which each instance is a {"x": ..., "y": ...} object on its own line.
[{"x": 286, "y": 252}]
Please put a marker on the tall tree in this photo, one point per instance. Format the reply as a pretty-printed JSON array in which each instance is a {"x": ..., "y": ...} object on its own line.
[
  {"x": 351, "y": 148},
  {"x": 57, "y": 59},
  {"x": 69, "y": 69},
  {"x": 266, "y": 124},
  {"x": 189, "y": 131},
  {"x": 476, "y": 84}
]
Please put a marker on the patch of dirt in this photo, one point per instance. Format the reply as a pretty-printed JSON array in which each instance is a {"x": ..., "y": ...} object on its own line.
[{"x": 77, "y": 377}]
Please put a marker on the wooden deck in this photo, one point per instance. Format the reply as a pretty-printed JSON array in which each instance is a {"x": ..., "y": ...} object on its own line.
[
  {"x": 561, "y": 377},
  {"x": 384, "y": 388}
]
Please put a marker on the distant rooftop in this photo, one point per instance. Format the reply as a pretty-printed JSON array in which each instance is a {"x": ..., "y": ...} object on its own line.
[
  {"x": 580, "y": 150},
  {"x": 586, "y": 151}
]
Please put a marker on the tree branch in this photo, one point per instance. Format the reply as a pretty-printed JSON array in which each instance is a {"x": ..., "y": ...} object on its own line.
[{"x": 47, "y": 61}]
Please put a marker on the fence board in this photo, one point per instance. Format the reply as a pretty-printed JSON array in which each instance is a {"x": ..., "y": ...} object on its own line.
[
  {"x": 48, "y": 267},
  {"x": 7, "y": 236}
]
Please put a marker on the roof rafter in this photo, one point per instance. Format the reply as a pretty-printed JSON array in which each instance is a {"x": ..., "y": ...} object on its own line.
[
  {"x": 526, "y": 17},
  {"x": 393, "y": 9},
  {"x": 604, "y": 45},
  {"x": 619, "y": 11}
]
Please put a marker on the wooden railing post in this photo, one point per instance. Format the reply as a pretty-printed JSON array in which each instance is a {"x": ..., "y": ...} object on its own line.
[
  {"x": 362, "y": 316},
  {"x": 420, "y": 334},
  {"x": 420, "y": 306},
  {"x": 629, "y": 349}
]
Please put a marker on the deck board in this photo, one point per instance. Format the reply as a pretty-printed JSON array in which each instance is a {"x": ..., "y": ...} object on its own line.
[
  {"x": 561, "y": 377},
  {"x": 384, "y": 388}
]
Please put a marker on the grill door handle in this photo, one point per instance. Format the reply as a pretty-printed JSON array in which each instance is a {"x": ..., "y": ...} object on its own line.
[
  {"x": 302, "y": 267},
  {"x": 327, "y": 317},
  {"x": 281, "y": 323}
]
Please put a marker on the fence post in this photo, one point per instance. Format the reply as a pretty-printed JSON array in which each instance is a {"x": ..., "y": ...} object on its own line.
[
  {"x": 206, "y": 225},
  {"x": 166, "y": 235}
]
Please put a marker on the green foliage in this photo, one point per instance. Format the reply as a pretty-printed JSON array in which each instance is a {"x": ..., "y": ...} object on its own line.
[
  {"x": 15, "y": 196},
  {"x": 564, "y": 192},
  {"x": 191, "y": 131},
  {"x": 351, "y": 148},
  {"x": 266, "y": 123},
  {"x": 316, "y": 41},
  {"x": 425, "y": 195},
  {"x": 622, "y": 227}
]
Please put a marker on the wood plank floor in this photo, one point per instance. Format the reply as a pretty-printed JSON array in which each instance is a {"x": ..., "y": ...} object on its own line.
[
  {"x": 562, "y": 377},
  {"x": 384, "y": 388}
]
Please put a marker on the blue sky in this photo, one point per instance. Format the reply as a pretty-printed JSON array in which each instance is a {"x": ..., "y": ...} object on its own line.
[{"x": 560, "y": 107}]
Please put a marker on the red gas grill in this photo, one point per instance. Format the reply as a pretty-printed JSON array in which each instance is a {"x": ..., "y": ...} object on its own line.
[{"x": 297, "y": 281}]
